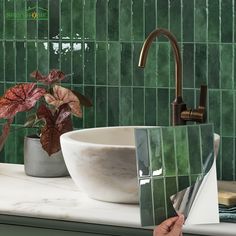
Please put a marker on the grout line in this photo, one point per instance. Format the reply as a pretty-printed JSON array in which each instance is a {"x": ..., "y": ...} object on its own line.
[{"x": 95, "y": 67}]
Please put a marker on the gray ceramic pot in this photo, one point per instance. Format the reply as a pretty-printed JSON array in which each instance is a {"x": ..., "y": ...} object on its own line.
[{"x": 38, "y": 163}]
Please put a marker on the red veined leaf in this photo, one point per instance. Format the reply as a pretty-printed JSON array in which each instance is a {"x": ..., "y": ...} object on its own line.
[
  {"x": 57, "y": 123},
  {"x": 83, "y": 100},
  {"x": 53, "y": 76},
  {"x": 5, "y": 132},
  {"x": 21, "y": 97},
  {"x": 64, "y": 96}
]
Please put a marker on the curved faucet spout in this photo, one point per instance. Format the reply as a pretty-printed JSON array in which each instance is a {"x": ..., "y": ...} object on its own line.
[{"x": 174, "y": 44}]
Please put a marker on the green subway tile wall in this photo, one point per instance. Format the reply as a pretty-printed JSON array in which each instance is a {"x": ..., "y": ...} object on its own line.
[{"x": 97, "y": 43}]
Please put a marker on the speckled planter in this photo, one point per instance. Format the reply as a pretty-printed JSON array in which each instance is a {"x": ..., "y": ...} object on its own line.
[{"x": 38, "y": 163}]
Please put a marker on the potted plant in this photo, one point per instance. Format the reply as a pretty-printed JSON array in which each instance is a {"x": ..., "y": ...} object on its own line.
[{"x": 51, "y": 106}]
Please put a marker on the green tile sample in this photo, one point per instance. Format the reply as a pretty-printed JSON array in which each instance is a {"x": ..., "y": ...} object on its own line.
[{"x": 173, "y": 160}]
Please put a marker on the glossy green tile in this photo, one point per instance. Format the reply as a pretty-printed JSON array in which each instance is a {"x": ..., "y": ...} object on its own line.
[
  {"x": 113, "y": 106},
  {"x": 125, "y": 106},
  {"x": 150, "y": 16},
  {"x": 43, "y": 59},
  {"x": 163, "y": 114},
  {"x": 213, "y": 21},
  {"x": 89, "y": 63},
  {"x": 142, "y": 152},
  {"x": 43, "y": 24},
  {"x": 200, "y": 14},
  {"x": 89, "y": 114},
  {"x": 188, "y": 98},
  {"x": 158, "y": 200},
  {"x": 226, "y": 66},
  {"x": 77, "y": 63},
  {"x": 21, "y": 62},
  {"x": 175, "y": 18},
  {"x": 32, "y": 33},
  {"x": 200, "y": 65},
  {"x": 188, "y": 68},
  {"x": 195, "y": 161},
  {"x": 1, "y": 18},
  {"x": 2, "y": 45},
  {"x": 155, "y": 152},
  {"x": 54, "y": 21},
  {"x": 138, "y": 73},
  {"x": 9, "y": 19},
  {"x": 188, "y": 20},
  {"x": 150, "y": 106},
  {"x": 183, "y": 182},
  {"x": 54, "y": 57},
  {"x": 113, "y": 20},
  {"x": 228, "y": 117},
  {"x": 125, "y": 20},
  {"x": 227, "y": 21},
  {"x": 89, "y": 19},
  {"x": 162, "y": 16},
  {"x": 32, "y": 57},
  {"x": 138, "y": 106},
  {"x": 10, "y": 61},
  {"x": 146, "y": 198},
  {"x": 181, "y": 150},
  {"x": 227, "y": 158},
  {"x": 77, "y": 19},
  {"x": 21, "y": 22},
  {"x": 10, "y": 147},
  {"x": 101, "y": 63},
  {"x": 101, "y": 20},
  {"x": 66, "y": 13},
  {"x": 20, "y": 134},
  {"x": 138, "y": 20},
  {"x": 101, "y": 108},
  {"x": 66, "y": 55},
  {"x": 126, "y": 63},
  {"x": 213, "y": 66}
]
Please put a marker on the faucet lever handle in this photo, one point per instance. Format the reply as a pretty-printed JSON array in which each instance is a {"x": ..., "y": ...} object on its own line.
[{"x": 203, "y": 96}]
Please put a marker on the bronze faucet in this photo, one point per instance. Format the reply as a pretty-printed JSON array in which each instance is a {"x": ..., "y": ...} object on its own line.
[{"x": 180, "y": 113}]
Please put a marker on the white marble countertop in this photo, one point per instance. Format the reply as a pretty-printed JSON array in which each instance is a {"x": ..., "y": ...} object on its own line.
[{"x": 60, "y": 199}]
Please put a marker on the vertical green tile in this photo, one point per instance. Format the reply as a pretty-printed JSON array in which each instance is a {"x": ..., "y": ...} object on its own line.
[
  {"x": 150, "y": 16},
  {"x": 162, "y": 14},
  {"x": 182, "y": 152},
  {"x": 183, "y": 182},
  {"x": 175, "y": 19},
  {"x": 213, "y": 66},
  {"x": 226, "y": 66},
  {"x": 169, "y": 151},
  {"x": 214, "y": 113},
  {"x": 138, "y": 73},
  {"x": 113, "y": 20},
  {"x": 171, "y": 189},
  {"x": 21, "y": 21},
  {"x": 77, "y": 63},
  {"x": 188, "y": 98},
  {"x": 31, "y": 22},
  {"x": 126, "y": 62},
  {"x": 101, "y": 20},
  {"x": 163, "y": 114},
  {"x": 89, "y": 19},
  {"x": 125, "y": 20},
  {"x": 213, "y": 21},
  {"x": 20, "y": 134},
  {"x": 155, "y": 152},
  {"x": 141, "y": 140},
  {"x": 150, "y": 106},
  {"x": 89, "y": 114},
  {"x": 200, "y": 20},
  {"x": 138, "y": 106},
  {"x": 66, "y": 13},
  {"x": 194, "y": 150},
  {"x": 1, "y": 22},
  {"x": 89, "y": 63},
  {"x": 163, "y": 65},
  {"x": 138, "y": 20},
  {"x": 2, "y": 45},
  {"x": 9, "y": 61},
  {"x": 77, "y": 19},
  {"x": 20, "y": 62},
  {"x": 78, "y": 122},
  {"x": 54, "y": 20},
  {"x": 200, "y": 65},
  {"x": 32, "y": 57},
  {"x": 66, "y": 56},
  {"x": 159, "y": 200},
  {"x": 227, "y": 158},
  {"x": 101, "y": 63},
  {"x": 43, "y": 24},
  {"x": 227, "y": 21},
  {"x": 188, "y": 20},
  {"x": 10, "y": 147},
  {"x": 188, "y": 65},
  {"x": 150, "y": 71},
  {"x": 228, "y": 118},
  {"x": 146, "y": 199},
  {"x": 54, "y": 52},
  {"x": 101, "y": 106},
  {"x": 113, "y": 106},
  {"x": 125, "y": 106},
  {"x": 114, "y": 61},
  {"x": 43, "y": 57},
  {"x": 9, "y": 19}
]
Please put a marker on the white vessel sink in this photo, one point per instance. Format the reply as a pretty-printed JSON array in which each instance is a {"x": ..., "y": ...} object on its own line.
[{"x": 102, "y": 162}]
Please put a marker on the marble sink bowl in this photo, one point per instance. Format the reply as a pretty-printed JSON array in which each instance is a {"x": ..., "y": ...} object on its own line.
[{"x": 102, "y": 162}]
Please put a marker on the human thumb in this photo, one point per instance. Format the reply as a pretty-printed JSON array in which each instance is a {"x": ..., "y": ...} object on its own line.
[{"x": 177, "y": 228}]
